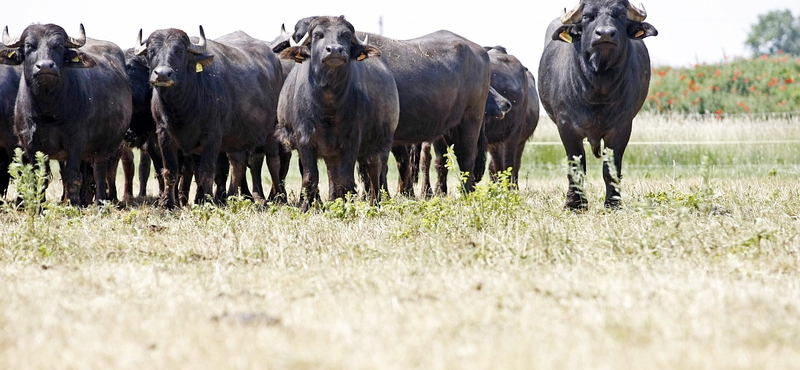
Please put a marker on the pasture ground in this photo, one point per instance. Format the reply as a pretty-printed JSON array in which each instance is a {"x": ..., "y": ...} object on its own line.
[{"x": 699, "y": 270}]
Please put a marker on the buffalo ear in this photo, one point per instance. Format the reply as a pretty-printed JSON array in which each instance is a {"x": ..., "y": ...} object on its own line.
[
  {"x": 362, "y": 52},
  {"x": 297, "y": 53},
  {"x": 566, "y": 33},
  {"x": 203, "y": 59},
  {"x": 10, "y": 57},
  {"x": 281, "y": 46},
  {"x": 638, "y": 31},
  {"x": 78, "y": 59}
]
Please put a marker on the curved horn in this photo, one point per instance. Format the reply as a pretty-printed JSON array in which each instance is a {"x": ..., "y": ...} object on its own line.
[
  {"x": 283, "y": 30},
  {"x": 140, "y": 48},
  {"x": 358, "y": 41},
  {"x": 573, "y": 16},
  {"x": 75, "y": 43},
  {"x": 9, "y": 42},
  {"x": 302, "y": 41},
  {"x": 637, "y": 14},
  {"x": 200, "y": 46}
]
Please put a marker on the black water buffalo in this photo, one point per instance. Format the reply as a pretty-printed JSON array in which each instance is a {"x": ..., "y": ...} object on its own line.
[
  {"x": 341, "y": 104},
  {"x": 9, "y": 84},
  {"x": 212, "y": 96},
  {"x": 73, "y": 103},
  {"x": 142, "y": 131},
  {"x": 503, "y": 135},
  {"x": 496, "y": 108},
  {"x": 443, "y": 82},
  {"x": 593, "y": 79}
]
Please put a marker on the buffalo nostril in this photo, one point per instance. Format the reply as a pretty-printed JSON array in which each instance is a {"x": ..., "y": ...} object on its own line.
[
  {"x": 328, "y": 49},
  {"x": 46, "y": 65}
]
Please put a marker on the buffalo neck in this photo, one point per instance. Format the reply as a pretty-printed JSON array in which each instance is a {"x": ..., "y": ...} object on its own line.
[
  {"x": 185, "y": 99},
  {"x": 609, "y": 82},
  {"x": 334, "y": 89},
  {"x": 54, "y": 103}
]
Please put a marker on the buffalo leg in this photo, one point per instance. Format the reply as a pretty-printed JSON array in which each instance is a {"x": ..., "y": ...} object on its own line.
[
  {"x": 71, "y": 176},
  {"x": 221, "y": 170},
  {"x": 576, "y": 159},
  {"x": 5, "y": 177},
  {"x": 440, "y": 148},
  {"x": 285, "y": 158},
  {"x": 613, "y": 176},
  {"x": 424, "y": 168},
  {"x": 255, "y": 162},
  {"x": 154, "y": 153},
  {"x": 144, "y": 172},
  {"x": 186, "y": 177},
  {"x": 310, "y": 192},
  {"x": 238, "y": 166},
  {"x": 341, "y": 176},
  {"x": 110, "y": 177},
  {"x": 170, "y": 170},
  {"x": 100, "y": 170},
  {"x": 126, "y": 157},
  {"x": 404, "y": 171}
]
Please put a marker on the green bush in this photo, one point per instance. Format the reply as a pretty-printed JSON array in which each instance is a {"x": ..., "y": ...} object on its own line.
[{"x": 768, "y": 84}]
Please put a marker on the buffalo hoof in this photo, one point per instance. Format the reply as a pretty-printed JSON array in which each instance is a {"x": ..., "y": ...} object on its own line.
[
  {"x": 613, "y": 203},
  {"x": 576, "y": 203}
]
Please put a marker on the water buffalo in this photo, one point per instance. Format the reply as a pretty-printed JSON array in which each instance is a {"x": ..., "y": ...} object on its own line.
[
  {"x": 443, "y": 82},
  {"x": 593, "y": 79},
  {"x": 340, "y": 104},
  {"x": 211, "y": 96},
  {"x": 496, "y": 109},
  {"x": 73, "y": 103},
  {"x": 142, "y": 131},
  {"x": 9, "y": 84}
]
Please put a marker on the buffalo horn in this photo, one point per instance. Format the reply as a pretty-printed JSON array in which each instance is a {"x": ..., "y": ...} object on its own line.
[
  {"x": 75, "y": 43},
  {"x": 283, "y": 30},
  {"x": 200, "y": 46},
  {"x": 636, "y": 14},
  {"x": 140, "y": 47},
  {"x": 362, "y": 43},
  {"x": 302, "y": 41},
  {"x": 574, "y": 15},
  {"x": 9, "y": 42}
]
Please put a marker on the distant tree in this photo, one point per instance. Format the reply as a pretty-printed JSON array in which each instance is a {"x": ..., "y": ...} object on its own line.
[{"x": 775, "y": 31}]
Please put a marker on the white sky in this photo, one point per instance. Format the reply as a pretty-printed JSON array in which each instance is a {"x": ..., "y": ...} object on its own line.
[{"x": 689, "y": 30}]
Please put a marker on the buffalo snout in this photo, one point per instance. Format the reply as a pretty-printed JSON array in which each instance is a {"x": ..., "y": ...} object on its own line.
[
  {"x": 162, "y": 76},
  {"x": 605, "y": 34},
  {"x": 45, "y": 67},
  {"x": 334, "y": 55}
]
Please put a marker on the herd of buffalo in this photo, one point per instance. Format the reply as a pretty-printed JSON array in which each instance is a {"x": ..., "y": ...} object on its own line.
[{"x": 202, "y": 109}]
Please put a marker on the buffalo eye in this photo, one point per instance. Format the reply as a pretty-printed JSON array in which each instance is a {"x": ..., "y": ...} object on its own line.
[{"x": 318, "y": 35}]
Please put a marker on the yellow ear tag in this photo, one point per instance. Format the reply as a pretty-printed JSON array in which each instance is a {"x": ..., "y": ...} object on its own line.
[
  {"x": 198, "y": 68},
  {"x": 76, "y": 60},
  {"x": 639, "y": 33},
  {"x": 11, "y": 54},
  {"x": 565, "y": 36},
  {"x": 361, "y": 57}
]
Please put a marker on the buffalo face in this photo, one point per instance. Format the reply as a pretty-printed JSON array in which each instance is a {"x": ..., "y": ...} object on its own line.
[
  {"x": 172, "y": 56},
  {"x": 139, "y": 77},
  {"x": 496, "y": 105},
  {"x": 331, "y": 42},
  {"x": 602, "y": 29},
  {"x": 44, "y": 51}
]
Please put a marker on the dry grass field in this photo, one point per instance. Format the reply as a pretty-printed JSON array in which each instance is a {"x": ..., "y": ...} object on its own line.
[{"x": 699, "y": 270}]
